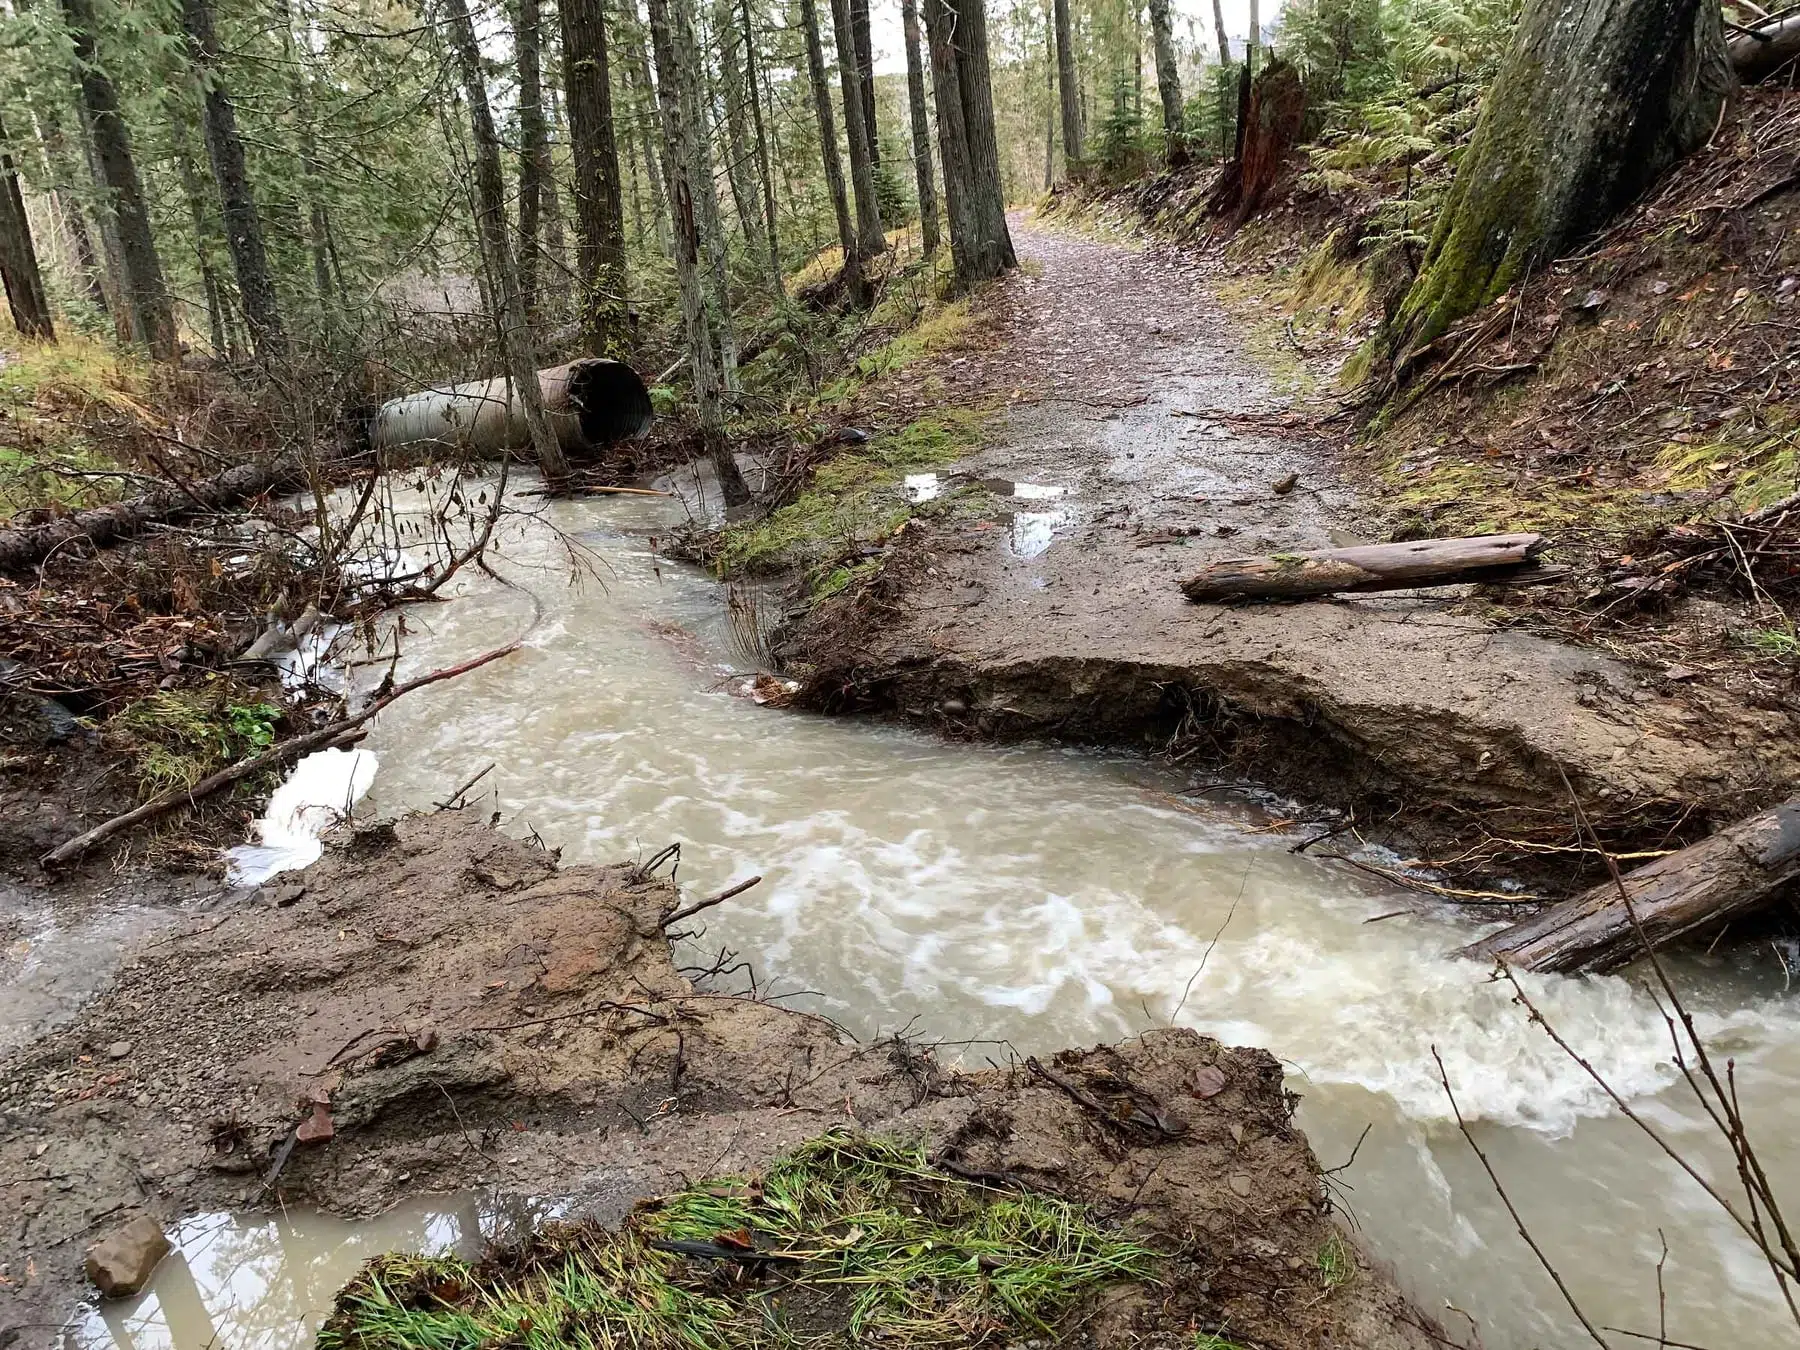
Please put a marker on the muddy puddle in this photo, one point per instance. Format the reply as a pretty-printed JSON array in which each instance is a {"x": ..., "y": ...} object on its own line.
[{"x": 1022, "y": 898}]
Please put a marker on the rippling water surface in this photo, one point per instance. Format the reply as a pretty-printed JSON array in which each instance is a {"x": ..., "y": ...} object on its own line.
[{"x": 1046, "y": 897}]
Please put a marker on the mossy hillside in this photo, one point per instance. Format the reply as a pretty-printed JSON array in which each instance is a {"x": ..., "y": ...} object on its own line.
[
  {"x": 50, "y": 395},
  {"x": 852, "y": 502},
  {"x": 846, "y": 1241}
]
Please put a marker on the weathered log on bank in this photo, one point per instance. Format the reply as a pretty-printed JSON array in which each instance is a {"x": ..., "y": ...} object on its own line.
[
  {"x": 1722, "y": 876},
  {"x": 1761, "y": 51},
  {"x": 591, "y": 403},
  {"x": 25, "y": 546},
  {"x": 1370, "y": 567}
]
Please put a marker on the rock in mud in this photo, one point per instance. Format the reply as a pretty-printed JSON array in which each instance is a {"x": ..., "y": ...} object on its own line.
[{"x": 121, "y": 1263}]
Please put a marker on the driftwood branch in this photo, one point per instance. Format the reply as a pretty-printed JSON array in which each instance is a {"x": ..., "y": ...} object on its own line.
[
  {"x": 1370, "y": 567},
  {"x": 273, "y": 757},
  {"x": 1723, "y": 875},
  {"x": 689, "y": 911}
]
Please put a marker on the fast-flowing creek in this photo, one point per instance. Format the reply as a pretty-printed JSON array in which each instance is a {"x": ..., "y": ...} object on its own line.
[{"x": 1043, "y": 897}]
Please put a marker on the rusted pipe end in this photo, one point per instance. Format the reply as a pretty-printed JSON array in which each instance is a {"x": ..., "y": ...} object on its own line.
[{"x": 609, "y": 400}]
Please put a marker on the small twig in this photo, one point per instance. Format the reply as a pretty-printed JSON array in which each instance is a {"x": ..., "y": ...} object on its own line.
[
  {"x": 1506, "y": 1200},
  {"x": 689, "y": 911}
]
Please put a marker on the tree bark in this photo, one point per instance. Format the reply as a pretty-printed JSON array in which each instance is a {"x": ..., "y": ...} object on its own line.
[
  {"x": 1220, "y": 33},
  {"x": 700, "y": 181},
  {"x": 1595, "y": 100},
  {"x": 1254, "y": 41},
  {"x": 828, "y": 149},
  {"x": 1168, "y": 82},
  {"x": 225, "y": 150},
  {"x": 534, "y": 148},
  {"x": 203, "y": 237},
  {"x": 871, "y": 238},
  {"x": 993, "y": 241},
  {"x": 599, "y": 208},
  {"x": 953, "y": 145},
  {"x": 141, "y": 269},
  {"x": 516, "y": 347},
  {"x": 1725, "y": 874},
  {"x": 1372, "y": 567},
  {"x": 921, "y": 128},
  {"x": 19, "y": 272},
  {"x": 863, "y": 35},
  {"x": 1071, "y": 91},
  {"x": 678, "y": 97},
  {"x": 740, "y": 165},
  {"x": 777, "y": 281},
  {"x": 1049, "y": 102}
]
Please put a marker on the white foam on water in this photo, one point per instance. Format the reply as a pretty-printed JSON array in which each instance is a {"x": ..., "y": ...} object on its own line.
[
  {"x": 922, "y": 487},
  {"x": 321, "y": 790}
]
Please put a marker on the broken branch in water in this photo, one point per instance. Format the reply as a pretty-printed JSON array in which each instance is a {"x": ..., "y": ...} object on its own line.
[
  {"x": 689, "y": 911},
  {"x": 273, "y": 757}
]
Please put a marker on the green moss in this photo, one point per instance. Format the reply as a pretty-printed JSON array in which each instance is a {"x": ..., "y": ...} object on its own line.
[
  {"x": 178, "y": 737},
  {"x": 852, "y": 501},
  {"x": 879, "y": 1249},
  {"x": 1757, "y": 458}
]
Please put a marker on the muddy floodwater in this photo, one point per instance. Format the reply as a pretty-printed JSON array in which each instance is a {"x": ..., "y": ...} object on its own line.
[{"x": 1017, "y": 899}]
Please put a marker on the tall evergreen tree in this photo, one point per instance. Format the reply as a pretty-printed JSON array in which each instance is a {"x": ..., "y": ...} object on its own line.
[
  {"x": 828, "y": 149},
  {"x": 1070, "y": 88},
  {"x": 143, "y": 287},
  {"x": 1168, "y": 81},
  {"x": 921, "y": 130},
  {"x": 19, "y": 273},
  {"x": 599, "y": 204},
  {"x": 871, "y": 238}
]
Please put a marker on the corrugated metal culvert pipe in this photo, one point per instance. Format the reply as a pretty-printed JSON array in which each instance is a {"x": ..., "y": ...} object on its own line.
[{"x": 591, "y": 404}]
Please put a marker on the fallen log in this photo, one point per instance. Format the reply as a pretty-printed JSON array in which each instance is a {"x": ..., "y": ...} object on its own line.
[
  {"x": 1764, "y": 49},
  {"x": 27, "y": 545},
  {"x": 272, "y": 758},
  {"x": 1725, "y": 874},
  {"x": 1370, "y": 567}
]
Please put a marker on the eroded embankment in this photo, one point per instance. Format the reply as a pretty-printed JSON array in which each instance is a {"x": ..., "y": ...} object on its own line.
[
  {"x": 1153, "y": 443},
  {"x": 436, "y": 1006}
]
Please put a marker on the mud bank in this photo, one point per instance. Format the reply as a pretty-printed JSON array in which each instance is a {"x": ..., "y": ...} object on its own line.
[
  {"x": 451, "y": 1011},
  {"x": 1154, "y": 443}
]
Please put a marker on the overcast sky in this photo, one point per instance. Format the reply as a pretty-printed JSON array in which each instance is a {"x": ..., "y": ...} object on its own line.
[{"x": 890, "y": 59}]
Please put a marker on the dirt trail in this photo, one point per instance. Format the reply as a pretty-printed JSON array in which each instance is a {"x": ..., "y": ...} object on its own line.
[
  {"x": 1135, "y": 396},
  {"x": 460, "y": 1012}
]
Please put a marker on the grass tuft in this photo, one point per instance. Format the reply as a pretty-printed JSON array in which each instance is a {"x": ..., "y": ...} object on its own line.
[
  {"x": 178, "y": 737},
  {"x": 881, "y": 1249}
]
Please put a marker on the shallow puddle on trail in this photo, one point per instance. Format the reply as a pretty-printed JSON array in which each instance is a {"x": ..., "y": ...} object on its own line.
[
  {"x": 1048, "y": 897},
  {"x": 266, "y": 1282}
]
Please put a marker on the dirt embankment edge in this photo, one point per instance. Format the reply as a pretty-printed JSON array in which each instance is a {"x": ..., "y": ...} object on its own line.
[{"x": 452, "y": 1010}]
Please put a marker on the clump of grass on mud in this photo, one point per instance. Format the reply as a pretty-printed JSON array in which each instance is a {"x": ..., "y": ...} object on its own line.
[
  {"x": 852, "y": 501},
  {"x": 177, "y": 737},
  {"x": 855, "y": 1241}
]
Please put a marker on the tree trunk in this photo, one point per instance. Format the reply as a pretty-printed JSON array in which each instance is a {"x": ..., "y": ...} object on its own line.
[
  {"x": 1371, "y": 567},
  {"x": 141, "y": 268},
  {"x": 953, "y": 145},
  {"x": 599, "y": 207},
  {"x": 762, "y": 156},
  {"x": 128, "y": 325},
  {"x": 18, "y": 257},
  {"x": 534, "y": 149},
  {"x": 516, "y": 348},
  {"x": 828, "y": 149},
  {"x": 862, "y": 34},
  {"x": 225, "y": 149},
  {"x": 677, "y": 94},
  {"x": 1168, "y": 82},
  {"x": 871, "y": 238},
  {"x": 1049, "y": 102},
  {"x": 1071, "y": 91},
  {"x": 921, "y": 129},
  {"x": 203, "y": 236},
  {"x": 318, "y": 225},
  {"x": 555, "y": 253},
  {"x": 740, "y": 165},
  {"x": 993, "y": 241},
  {"x": 1594, "y": 101},
  {"x": 1254, "y": 41},
  {"x": 1219, "y": 32},
  {"x": 1725, "y": 874},
  {"x": 691, "y": 87}
]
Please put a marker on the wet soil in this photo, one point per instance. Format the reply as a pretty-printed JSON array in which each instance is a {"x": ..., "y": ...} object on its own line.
[
  {"x": 437, "y": 1006},
  {"x": 1129, "y": 388}
]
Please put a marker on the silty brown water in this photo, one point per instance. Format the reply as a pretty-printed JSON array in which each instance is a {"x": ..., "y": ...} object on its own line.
[{"x": 1040, "y": 897}]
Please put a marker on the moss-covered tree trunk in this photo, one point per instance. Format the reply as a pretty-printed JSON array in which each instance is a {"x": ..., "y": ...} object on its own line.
[{"x": 1596, "y": 99}]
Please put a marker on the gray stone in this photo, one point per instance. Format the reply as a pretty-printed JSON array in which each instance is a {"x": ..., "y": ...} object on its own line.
[
  {"x": 118, "y": 1050},
  {"x": 120, "y": 1264}
]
